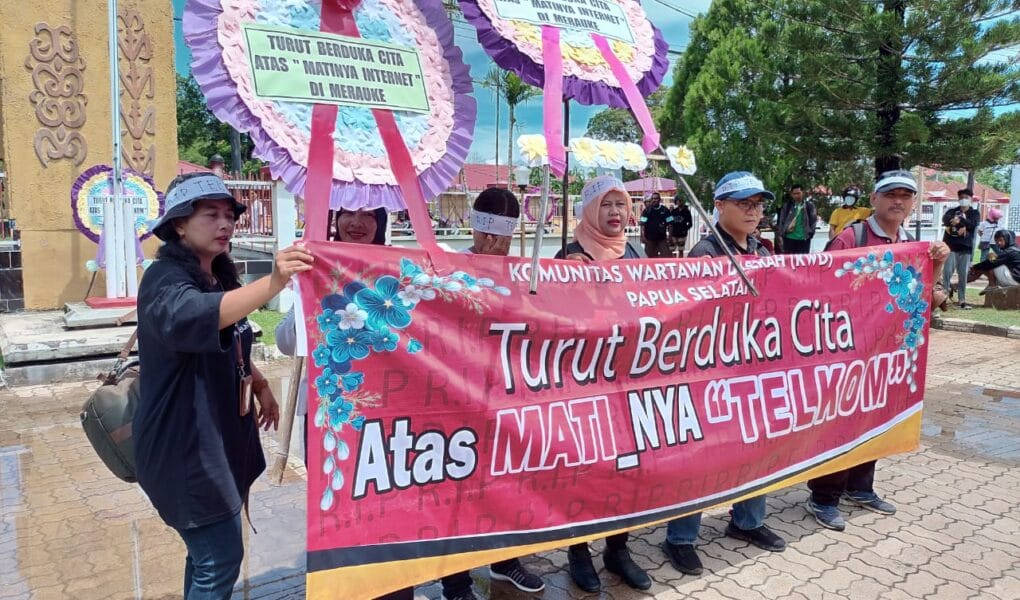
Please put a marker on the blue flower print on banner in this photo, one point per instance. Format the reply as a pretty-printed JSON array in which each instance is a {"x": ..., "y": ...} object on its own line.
[
  {"x": 349, "y": 345},
  {"x": 383, "y": 304},
  {"x": 907, "y": 293},
  {"x": 362, "y": 317}
]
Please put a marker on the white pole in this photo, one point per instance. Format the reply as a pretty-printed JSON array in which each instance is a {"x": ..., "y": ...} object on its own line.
[
  {"x": 118, "y": 261},
  {"x": 540, "y": 230},
  {"x": 285, "y": 230},
  {"x": 110, "y": 246},
  {"x": 118, "y": 246},
  {"x": 130, "y": 254}
]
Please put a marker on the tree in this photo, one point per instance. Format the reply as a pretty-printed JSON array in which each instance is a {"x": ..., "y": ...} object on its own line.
[
  {"x": 892, "y": 78},
  {"x": 790, "y": 89},
  {"x": 614, "y": 124},
  {"x": 618, "y": 124},
  {"x": 200, "y": 134},
  {"x": 494, "y": 81},
  {"x": 510, "y": 89},
  {"x": 997, "y": 178},
  {"x": 515, "y": 92}
]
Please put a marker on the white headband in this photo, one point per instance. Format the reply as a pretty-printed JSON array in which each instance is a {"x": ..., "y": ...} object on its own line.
[
  {"x": 196, "y": 187},
  {"x": 493, "y": 224},
  {"x": 740, "y": 183}
]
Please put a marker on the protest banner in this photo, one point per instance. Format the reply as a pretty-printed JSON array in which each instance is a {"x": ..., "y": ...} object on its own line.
[{"x": 456, "y": 419}]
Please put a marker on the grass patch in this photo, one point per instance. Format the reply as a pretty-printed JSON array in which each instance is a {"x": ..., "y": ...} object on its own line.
[
  {"x": 989, "y": 316},
  {"x": 267, "y": 321}
]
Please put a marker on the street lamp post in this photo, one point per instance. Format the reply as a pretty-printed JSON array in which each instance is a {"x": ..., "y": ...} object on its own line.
[{"x": 521, "y": 176}]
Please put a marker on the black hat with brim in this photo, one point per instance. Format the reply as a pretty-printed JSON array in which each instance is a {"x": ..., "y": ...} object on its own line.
[{"x": 180, "y": 201}]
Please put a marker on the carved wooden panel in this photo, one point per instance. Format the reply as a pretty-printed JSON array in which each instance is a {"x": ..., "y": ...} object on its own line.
[
  {"x": 137, "y": 110},
  {"x": 57, "y": 67}
]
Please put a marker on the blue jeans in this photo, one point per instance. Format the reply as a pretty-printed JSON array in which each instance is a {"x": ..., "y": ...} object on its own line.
[
  {"x": 747, "y": 515},
  {"x": 214, "y": 559}
]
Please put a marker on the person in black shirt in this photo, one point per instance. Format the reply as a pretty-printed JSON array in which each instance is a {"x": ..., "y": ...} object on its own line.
[
  {"x": 960, "y": 223},
  {"x": 681, "y": 225},
  {"x": 197, "y": 448},
  {"x": 1002, "y": 266},
  {"x": 740, "y": 198},
  {"x": 655, "y": 222}
]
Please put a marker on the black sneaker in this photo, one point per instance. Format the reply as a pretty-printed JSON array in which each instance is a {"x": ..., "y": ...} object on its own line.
[
  {"x": 465, "y": 595},
  {"x": 582, "y": 571},
  {"x": 762, "y": 537},
  {"x": 620, "y": 562},
  {"x": 684, "y": 558},
  {"x": 514, "y": 572}
]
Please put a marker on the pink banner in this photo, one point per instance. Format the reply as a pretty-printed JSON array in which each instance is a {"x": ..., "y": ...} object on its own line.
[{"x": 456, "y": 420}]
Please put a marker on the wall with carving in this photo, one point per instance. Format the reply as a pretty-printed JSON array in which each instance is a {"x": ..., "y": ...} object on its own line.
[{"x": 55, "y": 94}]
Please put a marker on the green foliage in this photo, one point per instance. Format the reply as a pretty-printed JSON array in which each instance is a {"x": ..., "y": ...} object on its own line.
[
  {"x": 997, "y": 178},
  {"x": 510, "y": 89},
  {"x": 200, "y": 134},
  {"x": 799, "y": 90},
  {"x": 618, "y": 124}
]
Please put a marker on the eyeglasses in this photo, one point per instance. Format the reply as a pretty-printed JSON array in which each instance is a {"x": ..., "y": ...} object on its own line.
[{"x": 750, "y": 206}]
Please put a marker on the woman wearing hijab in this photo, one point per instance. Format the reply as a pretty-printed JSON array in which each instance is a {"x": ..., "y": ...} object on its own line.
[
  {"x": 197, "y": 448},
  {"x": 600, "y": 235}
]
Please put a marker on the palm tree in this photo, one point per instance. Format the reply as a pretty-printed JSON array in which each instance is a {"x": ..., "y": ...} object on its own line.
[
  {"x": 510, "y": 89},
  {"x": 494, "y": 81}
]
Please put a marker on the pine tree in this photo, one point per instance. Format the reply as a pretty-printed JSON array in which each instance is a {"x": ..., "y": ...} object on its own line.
[{"x": 791, "y": 88}]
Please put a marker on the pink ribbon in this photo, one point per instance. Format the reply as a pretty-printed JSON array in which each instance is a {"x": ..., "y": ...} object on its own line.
[
  {"x": 552, "y": 96},
  {"x": 634, "y": 98}
]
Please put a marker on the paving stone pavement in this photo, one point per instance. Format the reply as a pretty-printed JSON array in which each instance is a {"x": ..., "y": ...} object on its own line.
[{"x": 69, "y": 529}]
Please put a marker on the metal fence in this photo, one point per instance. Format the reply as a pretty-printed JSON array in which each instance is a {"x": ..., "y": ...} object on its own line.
[{"x": 257, "y": 197}]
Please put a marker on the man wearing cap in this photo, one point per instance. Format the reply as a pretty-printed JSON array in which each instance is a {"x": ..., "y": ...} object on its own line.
[
  {"x": 798, "y": 219},
  {"x": 655, "y": 222},
  {"x": 740, "y": 198},
  {"x": 848, "y": 211},
  {"x": 893, "y": 201},
  {"x": 960, "y": 223}
]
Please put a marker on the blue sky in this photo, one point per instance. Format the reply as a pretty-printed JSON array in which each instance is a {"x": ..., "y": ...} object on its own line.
[{"x": 674, "y": 25}]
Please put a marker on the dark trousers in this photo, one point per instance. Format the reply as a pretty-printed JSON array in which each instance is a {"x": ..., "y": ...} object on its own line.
[
  {"x": 657, "y": 248},
  {"x": 827, "y": 489},
  {"x": 459, "y": 583},
  {"x": 405, "y": 594},
  {"x": 796, "y": 246},
  {"x": 613, "y": 542}
]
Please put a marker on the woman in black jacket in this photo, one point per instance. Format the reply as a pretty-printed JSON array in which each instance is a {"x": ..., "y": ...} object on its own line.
[{"x": 197, "y": 448}]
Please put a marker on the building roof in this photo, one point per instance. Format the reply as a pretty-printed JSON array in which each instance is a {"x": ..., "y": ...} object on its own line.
[
  {"x": 477, "y": 177},
  {"x": 937, "y": 190},
  {"x": 184, "y": 167}
]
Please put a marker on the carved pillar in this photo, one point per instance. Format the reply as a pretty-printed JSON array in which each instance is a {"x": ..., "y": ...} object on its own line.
[
  {"x": 58, "y": 97},
  {"x": 137, "y": 110}
]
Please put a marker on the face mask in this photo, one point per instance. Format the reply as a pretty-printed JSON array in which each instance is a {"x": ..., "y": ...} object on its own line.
[
  {"x": 965, "y": 203},
  {"x": 849, "y": 200}
]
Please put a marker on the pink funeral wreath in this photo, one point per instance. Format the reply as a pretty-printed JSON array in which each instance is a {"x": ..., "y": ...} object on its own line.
[{"x": 438, "y": 141}]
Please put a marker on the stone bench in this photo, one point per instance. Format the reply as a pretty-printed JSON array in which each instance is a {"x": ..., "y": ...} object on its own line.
[{"x": 1003, "y": 298}]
